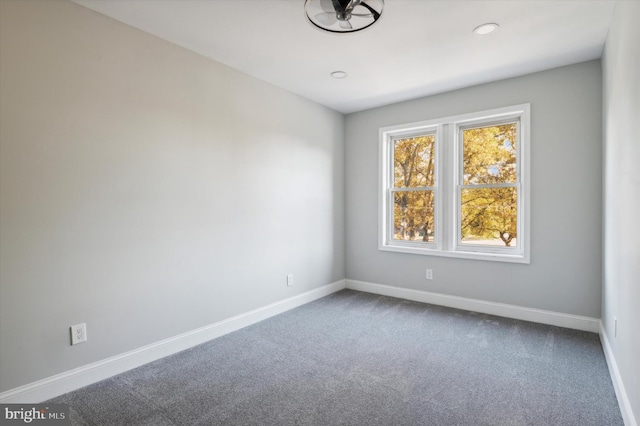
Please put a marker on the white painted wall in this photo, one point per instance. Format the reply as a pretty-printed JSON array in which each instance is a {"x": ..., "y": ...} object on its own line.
[
  {"x": 621, "y": 275},
  {"x": 565, "y": 271},
  {"x": 148, "y": 191}
]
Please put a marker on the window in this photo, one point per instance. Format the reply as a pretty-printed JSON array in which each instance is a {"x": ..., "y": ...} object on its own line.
[
  {"x": 457, "y": 186},
  {"x": 413, "y": 190}
]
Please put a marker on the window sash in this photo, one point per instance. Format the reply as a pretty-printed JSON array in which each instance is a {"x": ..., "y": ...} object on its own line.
[
  {"x": 469, "y": 246},
  {"x": 391, "y": 221},
  {"x": 479, "y": 124}
]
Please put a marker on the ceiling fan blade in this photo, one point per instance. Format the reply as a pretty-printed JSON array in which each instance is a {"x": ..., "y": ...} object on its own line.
[
  {"x": 346, "y": 25},
  {"x": 374, "y": 12},
  {"x": 327, "y": 6},
  {"x": 363, "y": 15},
  {"x": 326, "y": 18}
]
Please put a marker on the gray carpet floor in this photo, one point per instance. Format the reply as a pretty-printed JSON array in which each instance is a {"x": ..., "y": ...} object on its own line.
[{"x": 354, "y": 358}]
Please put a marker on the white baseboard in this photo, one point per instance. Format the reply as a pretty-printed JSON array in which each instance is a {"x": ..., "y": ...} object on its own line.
[
  {"x": 616, "y": 378},
  {"x": 82, "y": 376},
  {"x": 500, "y": 309}
]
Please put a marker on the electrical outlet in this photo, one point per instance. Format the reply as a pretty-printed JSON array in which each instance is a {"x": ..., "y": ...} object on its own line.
[
  {"x": 289, "y": 280},
  {"x": 429, "y": 274},
  {"x": 78, "y": 333}
]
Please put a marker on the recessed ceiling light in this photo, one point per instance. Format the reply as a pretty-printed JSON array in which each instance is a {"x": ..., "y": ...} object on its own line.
[
  {"x": 339, "y": 74},
  {"x": 485, "y": 29}
]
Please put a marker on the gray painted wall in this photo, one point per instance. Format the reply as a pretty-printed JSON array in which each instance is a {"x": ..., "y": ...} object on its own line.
[
  {"x": 621, "y": 279},
  {"x": 148, "y": 191},
  {"x": 565, "y": 270}
]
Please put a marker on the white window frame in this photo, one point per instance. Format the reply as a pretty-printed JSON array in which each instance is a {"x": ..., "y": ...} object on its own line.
[{"x": 448, "y": 186}]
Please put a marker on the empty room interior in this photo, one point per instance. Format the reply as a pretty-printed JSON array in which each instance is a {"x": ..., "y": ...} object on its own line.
[{"x": 320, "y": 212}]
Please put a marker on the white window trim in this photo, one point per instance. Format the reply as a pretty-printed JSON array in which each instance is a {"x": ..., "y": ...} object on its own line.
[{"x": 447, "y": 176}]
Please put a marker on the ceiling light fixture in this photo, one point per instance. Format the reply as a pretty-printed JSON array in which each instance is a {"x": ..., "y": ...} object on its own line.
[
  {"x": 343, "y": 16},
  {"x": 485, "y": 29},
  {"x": 338, "y": 74}
]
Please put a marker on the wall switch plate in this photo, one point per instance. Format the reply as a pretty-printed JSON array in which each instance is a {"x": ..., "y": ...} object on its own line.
[
  {"x": 289, "y": 280},
  {"x": 429, "y": 274},
  {"x": 78, "y": 333}
]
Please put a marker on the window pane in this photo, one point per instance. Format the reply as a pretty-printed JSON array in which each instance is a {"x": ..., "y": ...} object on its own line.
[
  {"x": 490, "y": 154},
  {"x": 413, "y": 218},
  {"x": 489, "y": 216},
  {"x": 413, "y": 161}
]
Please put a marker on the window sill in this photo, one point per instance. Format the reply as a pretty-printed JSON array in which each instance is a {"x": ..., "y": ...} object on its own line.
[{"x": 492, "y": 257}]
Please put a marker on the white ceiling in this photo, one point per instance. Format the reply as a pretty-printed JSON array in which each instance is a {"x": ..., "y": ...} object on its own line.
[{"x": 417, "y": 48}]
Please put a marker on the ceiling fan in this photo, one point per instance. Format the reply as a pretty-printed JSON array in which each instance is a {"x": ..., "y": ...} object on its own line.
[{"x": 343, "y": 16}]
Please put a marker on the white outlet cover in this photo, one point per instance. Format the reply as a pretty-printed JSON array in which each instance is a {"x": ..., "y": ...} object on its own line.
[{"x": 78, "y": 333}]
